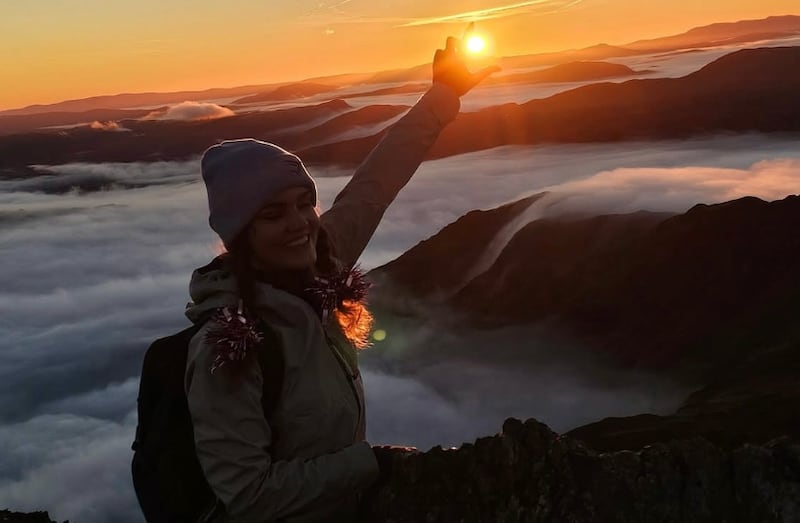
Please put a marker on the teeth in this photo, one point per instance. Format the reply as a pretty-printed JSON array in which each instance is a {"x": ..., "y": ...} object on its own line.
[{"x": 298, "y": 242}]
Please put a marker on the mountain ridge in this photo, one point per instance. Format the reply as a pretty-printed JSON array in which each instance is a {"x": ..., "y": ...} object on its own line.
[
  {"x": 714, "y": 99},
  {"x": 598, "y": 51}
]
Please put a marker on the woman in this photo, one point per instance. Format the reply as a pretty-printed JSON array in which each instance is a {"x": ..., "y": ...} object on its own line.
[{"x": 309, "y": 460}]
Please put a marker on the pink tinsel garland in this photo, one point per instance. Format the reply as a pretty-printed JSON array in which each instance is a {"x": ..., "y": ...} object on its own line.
[{"x": 235, "y": 331}]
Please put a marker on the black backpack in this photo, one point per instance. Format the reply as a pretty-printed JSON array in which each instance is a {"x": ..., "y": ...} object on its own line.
[{"x": 167, "y": 477}]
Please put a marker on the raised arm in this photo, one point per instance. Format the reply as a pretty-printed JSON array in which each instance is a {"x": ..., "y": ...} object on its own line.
[
  {"x": 232, "y": 438},
  {"x": 359, "y": 207}
]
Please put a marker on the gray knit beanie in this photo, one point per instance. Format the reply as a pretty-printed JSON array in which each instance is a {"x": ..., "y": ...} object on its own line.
[{"x": 241, "y": 176}]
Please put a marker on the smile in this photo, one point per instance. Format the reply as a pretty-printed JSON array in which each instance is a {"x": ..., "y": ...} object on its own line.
[{"x": 298, "y": 242}]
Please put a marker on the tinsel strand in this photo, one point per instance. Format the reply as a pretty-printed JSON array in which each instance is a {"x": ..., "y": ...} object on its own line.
[{"x": 232, "y": 336}]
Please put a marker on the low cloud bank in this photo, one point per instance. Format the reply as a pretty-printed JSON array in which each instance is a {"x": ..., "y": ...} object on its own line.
[
  {"x": 108, "y": 126},
  {"x": 75, "y": 467},
  {"x": 191, "y": 111},
  {"x": 92, "y": 277},
  {"x": 656, "y": 176}
]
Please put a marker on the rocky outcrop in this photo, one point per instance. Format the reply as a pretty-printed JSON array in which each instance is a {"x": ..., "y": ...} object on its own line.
[
  {"x": 529, "y": 473},
  {"x": 753, "y": 401},
  {"x": 6, "y": 516}
]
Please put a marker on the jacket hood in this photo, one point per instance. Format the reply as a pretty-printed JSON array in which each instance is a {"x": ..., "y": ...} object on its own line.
[{"x": 212, "y": 286}]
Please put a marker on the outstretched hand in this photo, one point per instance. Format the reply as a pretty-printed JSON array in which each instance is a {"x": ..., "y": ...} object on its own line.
[{"x": 449, "y": 68}]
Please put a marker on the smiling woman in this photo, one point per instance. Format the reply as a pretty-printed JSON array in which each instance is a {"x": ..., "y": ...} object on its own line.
[{"x": 289, "y": 277}]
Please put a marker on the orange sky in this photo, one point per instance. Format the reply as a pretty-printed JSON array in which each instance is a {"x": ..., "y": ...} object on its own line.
[{"x": 59, "y": 49}]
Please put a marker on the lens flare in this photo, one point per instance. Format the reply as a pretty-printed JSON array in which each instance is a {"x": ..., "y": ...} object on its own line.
[{"x": 475, "y": 44}]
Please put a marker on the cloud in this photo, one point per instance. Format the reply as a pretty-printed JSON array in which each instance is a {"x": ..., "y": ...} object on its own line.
[
  {"x": 458, "y": 398},
  {"x": 91, "y": 278},
  {"x": 662, "y": 189},
  {"x": 191, "y": 111},
  {"x": 329, "y": 14},
  {"x": 602, "y": 178},
  {"x": 82, "y": 178},
  {"x": 77, "y": 467},
  {"x": 502, "y": 11},
  {"x": 107, "y": 126}
]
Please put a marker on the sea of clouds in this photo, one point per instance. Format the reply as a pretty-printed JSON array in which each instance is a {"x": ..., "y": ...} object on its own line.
[{"x": 97, "y": 260}]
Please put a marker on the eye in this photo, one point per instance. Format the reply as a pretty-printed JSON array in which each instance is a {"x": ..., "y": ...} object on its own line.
[
  {"x": 305, "y": 202},
  {"x": 269, "y": 215}
]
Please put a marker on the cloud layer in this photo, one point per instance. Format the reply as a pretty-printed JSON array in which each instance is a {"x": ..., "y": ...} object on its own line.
[
  {"x": 191, "y": 111},
  {"x": 97, "y": 260},
  {"x": 107, "y": 126}
]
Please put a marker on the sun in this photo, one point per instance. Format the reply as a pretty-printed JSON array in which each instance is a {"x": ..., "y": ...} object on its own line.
[{"x": 475, "y": 44}]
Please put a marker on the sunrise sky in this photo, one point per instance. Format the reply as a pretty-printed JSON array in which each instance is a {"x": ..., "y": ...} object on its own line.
[{"x": 51, "y": 50}]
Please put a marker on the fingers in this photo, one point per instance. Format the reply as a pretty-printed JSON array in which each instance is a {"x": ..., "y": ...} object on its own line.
[
  {"x": 453, "y": 44},
  {"x": 468, "y": 31}
]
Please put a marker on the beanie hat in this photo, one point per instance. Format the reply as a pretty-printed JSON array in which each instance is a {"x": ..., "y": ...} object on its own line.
[{"x": 241, "y": 176}]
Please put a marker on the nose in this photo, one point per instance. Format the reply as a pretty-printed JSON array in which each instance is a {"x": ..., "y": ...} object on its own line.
[{"x": 296, "y": 221}]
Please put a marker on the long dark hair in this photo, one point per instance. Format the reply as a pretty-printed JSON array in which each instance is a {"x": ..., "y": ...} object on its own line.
[{"x": 352, "y": 317}]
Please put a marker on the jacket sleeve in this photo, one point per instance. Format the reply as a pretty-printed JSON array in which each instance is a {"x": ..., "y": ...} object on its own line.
[
  {"x": 359, "y": 207},
  {"x": 232, "y": 439}
]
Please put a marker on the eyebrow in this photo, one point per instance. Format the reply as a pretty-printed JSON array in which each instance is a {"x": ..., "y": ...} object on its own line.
[{"x": 278, "y": 205}]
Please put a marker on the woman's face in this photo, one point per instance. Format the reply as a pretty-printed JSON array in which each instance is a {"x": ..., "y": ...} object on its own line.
[{"x": 283, "y": 235}]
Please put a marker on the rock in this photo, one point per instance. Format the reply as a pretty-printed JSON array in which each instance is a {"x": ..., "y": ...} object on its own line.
[
  {"x": 6, "y": 516},
  {"x": 529, "y": 473}
]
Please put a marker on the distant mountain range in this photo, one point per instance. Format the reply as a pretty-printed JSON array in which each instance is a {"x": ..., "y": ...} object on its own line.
[
  {"x": 748, "y": 90},
  {"x": 151, "y": 140},
  {"x": 745, "y": 91},
  {"x": 705, "y": 36}
]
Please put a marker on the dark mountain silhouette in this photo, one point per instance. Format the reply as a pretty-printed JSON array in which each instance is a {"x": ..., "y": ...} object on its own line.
[
  {"x": 469, "y": 236},
  {"x": 724, "y": 33},
  {"x": 331, "y": 129},
  {"x": 134, "y": 100},
  {"x": 745, "y": 91},
  {"x": 151, "y": 140},
  {"x": 680, "y": 293},
  {"x": 25, "y": 123},
  {"x": 570, "y": 72},
  {"x": 287, "y": 92},
  {"x": 400, "y": 89},
  {"x": 417, "y": 73}
]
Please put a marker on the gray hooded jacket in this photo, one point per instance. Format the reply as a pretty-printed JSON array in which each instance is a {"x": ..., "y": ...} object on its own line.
[{"x": 321, "y": 460}]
